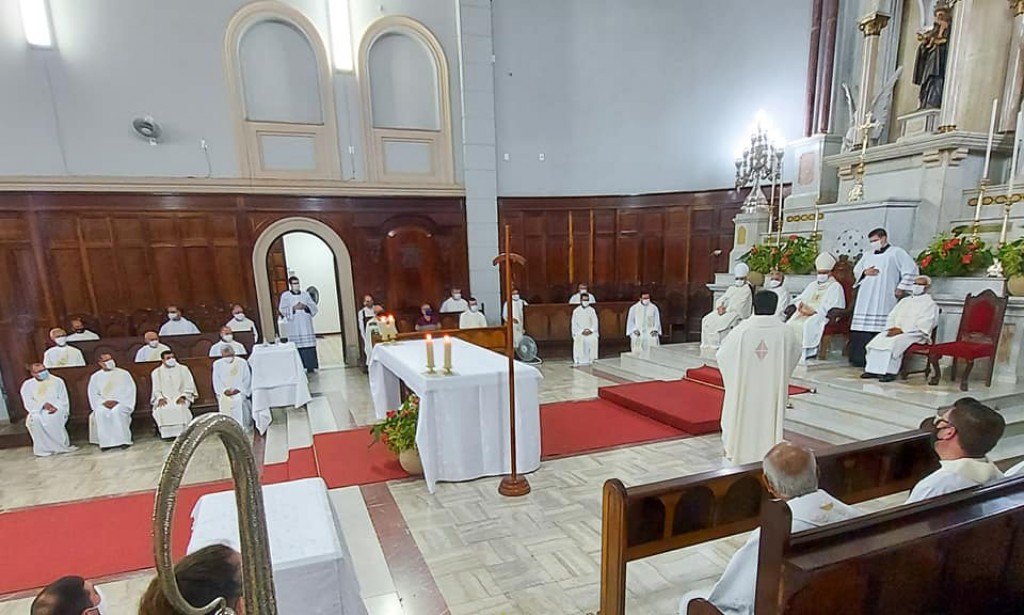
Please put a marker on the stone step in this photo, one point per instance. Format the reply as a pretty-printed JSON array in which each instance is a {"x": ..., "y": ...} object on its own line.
[
  {"x": 891, "y": 412},
  {"x": 1009, "y": 448},
  {"x": 614, "y": 367},
  {"x": 277, "y": 438},
  {"x": 649, "y": 369},
  {"x": 842, "y": 426}
]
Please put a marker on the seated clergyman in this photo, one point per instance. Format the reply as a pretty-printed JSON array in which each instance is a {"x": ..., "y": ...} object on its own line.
[
  {"x": 454, "y": 304},
  {"x": 177, "y": 324},
  {"x": 152, "y": 350},
  {"x": 45, "y": 398},
  {"x": 910, "y": 322},
  {"x": 819, "y": 298},
  {"x": 227, "y": 338},
  {"x": 112, "y": 400},
  {"x": 733, "y": 306},
  {"x": 472, "y": 318},
  {"x": 174, "y": 390},
  {"x": 79, "y": 333},
  {"x": 60, "y": 354}
]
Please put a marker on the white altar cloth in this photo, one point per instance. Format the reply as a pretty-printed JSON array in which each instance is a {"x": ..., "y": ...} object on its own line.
[
  {"x": 313, "y": 571},
  {"x": 278, "y": 378},
  {"x": 463, "y": 430}
]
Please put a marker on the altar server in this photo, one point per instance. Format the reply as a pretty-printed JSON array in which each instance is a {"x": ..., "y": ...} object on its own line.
[
  {"x": 79, "y": 333},
  {"x": 643, "y": 326},
  {"x": 473, "y": 318},
  {"x": 365, "y": 315},
  {"x": 733, "y": 307},
  {"x": 581, "y": 290},
  {"x": 112, "y": 399},
  {"x": 371, "y": 326},
  {"x": 177, "y": 324},
  {"x": 910, "y": 322},
  {"x": 227, "y": 338},
  {"x": 232, "y": 385},
  {"x": 756, "y": 361},
  {"x": 152, "y": 350},
  {"x": 60, "y": 354},
  {"x": 174, "y": 390},
  {"x": 776, "y": 283},
  {"x": 585, "y": 332},
  {"x": 239, "y": 322},
  {"x": 455, "y": 303},
  {"x": 962, "y": 436},
  {"x": 882, "y": 271},
  {"x": 45, "y": 398},
  {"x": 518, "y": 304},
  {"x": 298, "y": 308},
  {"x": 791, "y": 475},
  {"x": 814, "y": 304}
]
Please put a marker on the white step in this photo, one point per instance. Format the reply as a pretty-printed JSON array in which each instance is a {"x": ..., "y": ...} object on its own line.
[
  {"x": 300, "y": 434},
  {"x": 840, "y": 425},
  {"x": 648, "y": 369},
  {"x": 277, "y": 438},
  {"x": 614, "y": 367},
  {"x": 1009, "y": 448}
]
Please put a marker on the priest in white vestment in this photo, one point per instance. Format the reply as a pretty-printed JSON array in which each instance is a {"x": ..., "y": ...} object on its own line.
[
  {"x": 756, "y": 361},
  {"x": 577, "y": 297},
  {"x": 734, "y": 306},
  {"x": 174, "y": 390},
  {"x": 455, "y": 303},
  {"x": 232, "y": 385},
  {"x": 364, "y": 316},
  {"x": 227, "y": 338},
  {"x": 239, "y": 322},
  {"x": 881, "y": 272},
  {"x": 791, "y": 475},
  {"x": 79, "y": 333},
  {"x": 177, "y": 324},
  {"x": 585, "y": 333},
  {"x": 962, "y": 436},
  {"x": 45, "y": 398},
  {"x": 643, "y": 326},
  {"x": 472, "y": 318},
  {"x": 298, "y": 308},
  {"x": 371, "y": 326},
  {"x": 518, "y": 303},
  {"x": 910, "y": 322},
  {"x": 60, "y": 354},
  {"x": 150, "y": 353},
  {"x": 112, "y": 399},
  {"x": 814, "y": 304},
  {"x": 776, "y": 283}
]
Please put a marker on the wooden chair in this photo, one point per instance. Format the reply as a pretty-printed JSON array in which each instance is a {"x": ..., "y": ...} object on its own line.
[
  {"x": 977, "y": 338},
  {"x": 919, "y": 350},
  {"x": 839, "y": 319}
]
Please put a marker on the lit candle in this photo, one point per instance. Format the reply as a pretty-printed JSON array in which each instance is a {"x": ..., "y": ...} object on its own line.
[
  {"x": 430, "y": 352},
  {"x": 991, "y": 137},
  {"x": 447, "y": 353}
]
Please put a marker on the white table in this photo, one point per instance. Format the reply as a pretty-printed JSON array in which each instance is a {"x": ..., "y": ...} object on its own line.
[
  {"x": 463, "y": 430},
  {"x": 313, "y": 571},
  {"x": 278, "y": 378}
]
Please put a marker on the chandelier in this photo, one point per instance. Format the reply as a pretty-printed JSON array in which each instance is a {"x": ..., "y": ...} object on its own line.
[{"x": 759, "y": 162}]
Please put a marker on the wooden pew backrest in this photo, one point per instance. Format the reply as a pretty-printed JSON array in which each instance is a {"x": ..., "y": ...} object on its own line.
[
  {"x": 123, "y": 349},
  {"x": 491, "y": 338}
]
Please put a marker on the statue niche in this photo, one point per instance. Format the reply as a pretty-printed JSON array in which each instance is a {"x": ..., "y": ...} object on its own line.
[{"x": 932, "y": 53}]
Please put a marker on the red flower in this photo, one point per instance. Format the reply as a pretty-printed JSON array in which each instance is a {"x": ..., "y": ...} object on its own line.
[
  {"x": 392, "y": 414},
  {"x": 792, "y": 237},
  {"x": 785, "y": 260},
  {"x": 966, "y": 259},
  {"x": 926, "y": 261}
]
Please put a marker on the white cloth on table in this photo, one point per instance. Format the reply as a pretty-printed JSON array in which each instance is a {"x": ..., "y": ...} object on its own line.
[
  {"x": 181, "y": 326},
  {"x": 49, "y": 431},
  {"x": 109, "y": 427},
  {"x": 643, "y": 328},
  {"x": 463, "y": 430},
  {"x": 821, "y": 297},
  {"x": 148, "y": 354},
  {"x": 472, "y": 320},
  {"x": 954, "y": 475},
  {"x": 585, "y": 348},
  {"x": 916, "y": 317},
  {"x": 233, "y": 373},
  {"x": 172, "y": 384},
  {"x": 216, "y": 349},
  {"x": 452, "y": 305},
  {"x": 85, "y": 336},
  {"x": 313, "y": 569},
  {"x": 575, "y": 298},
  {"x": 246, "y": 324},
  {"x": 876, "y": 294},
  {"x": 300, "y": 322},
  {"x": 737, "y": 303},
  {"x": 518, "y": 322},
  {"x": 63, "y": 356},
  {"x": 278, "y": 378}
]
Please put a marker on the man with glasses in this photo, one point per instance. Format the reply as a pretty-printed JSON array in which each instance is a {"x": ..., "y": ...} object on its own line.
[{"x": 962, "y": 435}]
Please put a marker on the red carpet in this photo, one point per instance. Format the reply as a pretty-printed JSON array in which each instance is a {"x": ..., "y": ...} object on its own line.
[
  {"x": 346, "y": 458},
  {"x": 711, "y": 375},
  {"x": 692, "y": 407},
  {"x": 575, "y": 427}
]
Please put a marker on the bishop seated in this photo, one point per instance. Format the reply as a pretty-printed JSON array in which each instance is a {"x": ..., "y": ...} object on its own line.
[
  {"x": 60, "y": 354},
  {"x": 735, "y": 305},
  {"x": 910, "y": 322},
  {"x": 813, "y": 305}
]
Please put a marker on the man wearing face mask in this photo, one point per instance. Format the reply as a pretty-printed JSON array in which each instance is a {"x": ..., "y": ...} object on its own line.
[
  {"x": 776, "y": 283},
  {"x": 963, "y": 435},
  {"x": 112, "y": 399},
  {"x": 174, "y": 390},
  {"x": 585, "y": 333},
  {"x": 152, "y": 350},
  {"x": 427, "y": 320},
  {"x": 643, "y": 326},
  {"x": 735, "y": 305},
  {"x": 240, "y": 323},
  {"x": 232, "y": 385},
  {"x": 79, "y": 333},
  {"x": 60, "y": 354},
  {"x": 298, "y": 308},
  {"x": 814, "y": 304},
  {"x": 472, "y": 318},
  {"x": 881, "y": 272},
  {"x": 177, "y": 324},
  {"x": 365, "y": 316},
  {"x": 518, "y": 304},
  {"x": 910, "y": 322},
  {"x": 69, "y": 596},
  {"x": 455, "y": 303},
  {"x": 45, "y": 398},
  {"x": 577, "y": 297},
  {"x": 226, "y": 339}
]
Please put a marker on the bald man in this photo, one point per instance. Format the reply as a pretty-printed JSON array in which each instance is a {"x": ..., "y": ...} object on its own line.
[
  {"x": 79, "y": 333},
  {"x": 150, "y": 353},
  {"x": 239, "y": 322},
  {"x": 45, "y": 398},
  {"x": 227, "y": 338},
  {"x": 60, "y": 354},
  {"x": 791, "y": 474}
]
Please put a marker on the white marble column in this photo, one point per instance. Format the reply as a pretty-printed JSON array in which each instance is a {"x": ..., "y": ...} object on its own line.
[
  {"x": 871, "y": 26},
  {"x": 1014, "y": 70}
]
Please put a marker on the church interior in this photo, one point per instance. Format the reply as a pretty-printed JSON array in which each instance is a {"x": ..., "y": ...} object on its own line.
[{"x": 416, "y": 307}]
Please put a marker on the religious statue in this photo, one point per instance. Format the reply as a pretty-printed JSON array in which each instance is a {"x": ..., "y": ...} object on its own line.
[
  {"x": 932, "y": 52},
  {"x": 881, "y": 107}
]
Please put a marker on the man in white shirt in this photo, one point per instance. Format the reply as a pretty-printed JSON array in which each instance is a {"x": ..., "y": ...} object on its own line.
[
  {"x": 227, "y": 339},
  {"x": 814, "y": 304},
  {"x": 910, "y": 322},
  {"x": 239, "y": 322},
  {"x": 962, "y": 436},
  {"x": 734, "y": 306},
  {"x": 60, "y": 354},
  {"x": 232, "y": 385},
  {"x": 578, "y": 295},
  {"x": 174, "y": 390},
  {"x": 112, "y": 399},
  {"x": 79, "y": 333},
  {"x": 643, "y": 326},
  {"x": 177, "y": 324},
  {"x": 366, "y": 314},
  {"x": 297, "y": 307},
  {"x": 585, "y": 333},
  {"x": 45, "y": 398},
  {"x": 881, "y": 272},
  {"x": 455, "y": 303},
  {"x": 518, "y": 303},
  {"x": 791, "y": 475},
  {"x": 472, "y": 318},
  {"x": 152, "y": 350},
  {"x": 776, "y": 283}
]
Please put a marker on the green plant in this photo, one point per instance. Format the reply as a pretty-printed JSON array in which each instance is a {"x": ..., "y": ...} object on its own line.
[
  {"x": 953, "y": 254},
  {"x": 398, "y": 429},
  {"x": 1011, "y": 256},
  {"x": 795, "y": 255}
]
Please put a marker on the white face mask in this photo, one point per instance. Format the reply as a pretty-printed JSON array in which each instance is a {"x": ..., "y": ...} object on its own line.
[
  {"x": 773, "y": 284},
  {"x": 172, "y": 315},
  {"x": 876, "y": 244},
  {"x": 153, "y": 343},
  {"x": 239, "y": 316},
  {"x": 645, "y": 301},
  {"x": 102, "y": 606},
  {"x": 296, "y": 288},
  {"x": 171, "y": 362},
  {"x": 515, "y": 296},
  {"x": 473, "y": 307},
  {"x": 822, "y": 278},
  {"x": 61, "y": 341},
  {"x": 456, "y": 296},
  {"x": 585, "y": 302},
  {"x": 740, "y": 282},
  {"x": 583, "y": 290},
  {"x": 918, "y": 290},
  {"x": 109, "y": 364},
  {"x": 227, "y": 337}
]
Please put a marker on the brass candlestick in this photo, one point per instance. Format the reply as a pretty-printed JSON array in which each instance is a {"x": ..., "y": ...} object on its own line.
[{"x": 982, "y": 189}]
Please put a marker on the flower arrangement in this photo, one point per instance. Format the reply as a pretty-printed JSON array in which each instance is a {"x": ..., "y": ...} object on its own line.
[
  {"x": 953, "y": 254},
  {"x": 795, "y": 255},
  {"x": 398, "y": 429},
  {"x": 1011, "y": 256}
]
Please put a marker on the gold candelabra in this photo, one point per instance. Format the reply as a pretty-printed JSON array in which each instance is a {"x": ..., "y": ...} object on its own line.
[{"x": 857, "y": 191}]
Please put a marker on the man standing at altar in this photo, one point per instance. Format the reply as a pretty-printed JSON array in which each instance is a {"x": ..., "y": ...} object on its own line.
[
  {"x": 298, "y": 308},
  {"x": 45, "y": 398},
  {"x": 174, "y": 390},
  {"x": 112, "y": 399},
  {"x": 756, "y": 361},
  {"x": 910, "y": 322},
  {"x": 643, "y": 326},
  {"x": 881, "y": 271},
  {"x": 730, "y": 309},
  {"x": 60, "y": 354},
  {"x": 518, "y": 303},
  {"x": 814, "y": 304},
  {"x": 585, "y": 332}
]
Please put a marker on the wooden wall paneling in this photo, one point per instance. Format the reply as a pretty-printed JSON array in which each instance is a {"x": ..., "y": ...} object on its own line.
[
  {"x": 411, "y": 258},
  {"x": 605, "y": 249},
  {"x": 556, "y": 255},
  {"x": 627, "y": 257}
]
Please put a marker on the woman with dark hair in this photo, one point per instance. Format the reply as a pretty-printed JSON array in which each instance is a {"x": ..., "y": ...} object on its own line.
[{"x": 210, "y": 573}]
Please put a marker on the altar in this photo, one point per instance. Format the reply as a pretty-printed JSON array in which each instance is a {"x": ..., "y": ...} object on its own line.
[{"x": 463, "y": 430}]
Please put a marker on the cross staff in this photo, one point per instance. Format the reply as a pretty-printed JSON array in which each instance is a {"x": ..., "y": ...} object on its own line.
[
  {"x": 512, "y": 485},
  {"x": 857, "y": 191}
]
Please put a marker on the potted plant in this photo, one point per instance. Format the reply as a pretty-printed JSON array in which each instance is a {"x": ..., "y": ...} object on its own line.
[
  {"x": 398, "y": 432},
  {"x": 1011, "y": 256},
  {"x": 955, "y": 255},
  {"x": 795, "y": 255}
]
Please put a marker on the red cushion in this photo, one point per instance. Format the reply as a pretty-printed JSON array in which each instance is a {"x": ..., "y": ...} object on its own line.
[
  {"x": 962, "y": 350},
  {"x": 919, "y": 349},
  {"x": 980, "y": 317}
]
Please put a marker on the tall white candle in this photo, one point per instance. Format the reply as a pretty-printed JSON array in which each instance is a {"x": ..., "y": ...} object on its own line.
[
  {"x": 430, "y": 351},
  {"x": 1014, "y": 157},
  {"x": 991, "y": 137}
]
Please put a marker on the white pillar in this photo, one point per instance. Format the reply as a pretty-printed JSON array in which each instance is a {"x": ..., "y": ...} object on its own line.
[{"x": 1014, "y": 70}]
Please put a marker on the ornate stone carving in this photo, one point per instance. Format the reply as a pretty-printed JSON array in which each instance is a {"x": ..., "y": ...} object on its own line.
[
  {"x": 932, "y": 56},
  {"x": 873, "y": 24},
  {"x": 1017, "y": 6}
]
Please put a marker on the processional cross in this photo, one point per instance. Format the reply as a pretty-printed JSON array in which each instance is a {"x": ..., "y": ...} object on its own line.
[
  {"x": 857, "y": 191},
  {"x": 512, "y": 485}
]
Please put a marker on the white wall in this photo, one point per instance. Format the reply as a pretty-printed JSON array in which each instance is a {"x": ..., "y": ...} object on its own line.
[
  {"x": 632, "y": 96},
  {"x": 308, "y": 257}
]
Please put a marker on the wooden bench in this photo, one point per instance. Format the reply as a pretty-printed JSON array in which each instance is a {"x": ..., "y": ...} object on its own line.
[
  {"x": 491, "y": 338},
  {"x": 123, "y": 349},
  {"x": 655, "y": 518},
  {"x": 550, "y": 325},
  {"x": 958, "y": 553}
]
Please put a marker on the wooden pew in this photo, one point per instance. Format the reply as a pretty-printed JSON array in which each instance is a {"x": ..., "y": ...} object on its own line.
[
  {"x": 550, "y": 325},
  {"x": 649, "y": 519},
  {"x": 123, "y": 349},
  {"x": 491, "y": 338}
]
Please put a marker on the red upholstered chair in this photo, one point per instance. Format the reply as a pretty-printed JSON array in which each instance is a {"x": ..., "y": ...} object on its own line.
[
  {"x": 838, "y": 319},
  {"x": 920, "y": 350},
  {"x": 978, "y": 337}
]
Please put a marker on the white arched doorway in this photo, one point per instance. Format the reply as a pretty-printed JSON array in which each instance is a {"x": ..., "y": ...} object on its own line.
[{"x": 343, "y": 266}]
